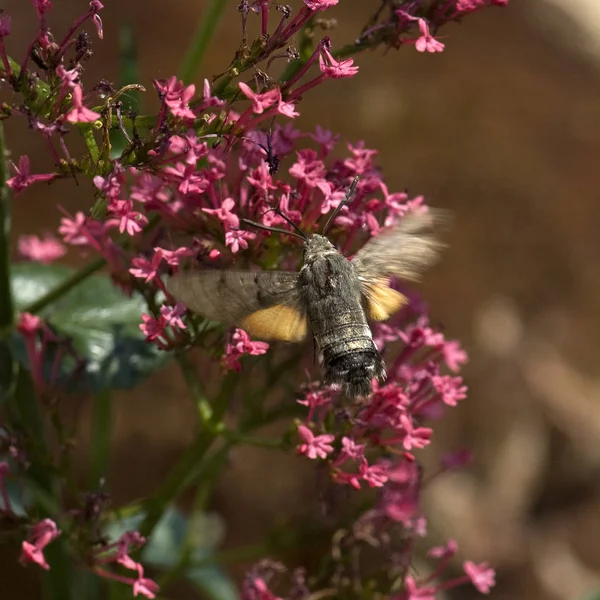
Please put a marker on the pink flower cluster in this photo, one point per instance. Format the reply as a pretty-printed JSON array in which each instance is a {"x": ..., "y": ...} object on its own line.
[{"x": 180, "y": 195}]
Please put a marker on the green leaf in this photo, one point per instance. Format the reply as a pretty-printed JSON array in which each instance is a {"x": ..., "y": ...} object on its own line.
[
  {"x": 102, "y": 324},
  {"x": 595, "y": 595}
]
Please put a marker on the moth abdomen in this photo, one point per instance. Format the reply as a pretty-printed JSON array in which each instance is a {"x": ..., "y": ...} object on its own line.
[{"x": 355, "y": 370}]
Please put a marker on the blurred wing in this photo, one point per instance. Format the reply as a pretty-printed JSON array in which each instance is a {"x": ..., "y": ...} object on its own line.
[
  {"x": 264, "y": 303},
  {"x": 404, "y": 250}
]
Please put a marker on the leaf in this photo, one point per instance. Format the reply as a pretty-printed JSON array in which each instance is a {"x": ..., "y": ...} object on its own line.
[{"x": 102, "y": 324}]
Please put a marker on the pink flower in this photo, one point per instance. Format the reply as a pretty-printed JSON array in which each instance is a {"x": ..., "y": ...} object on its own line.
[
  {"x": 238, "y": 238},
  {"x": 152, "y": 328},
  {"x": 314, "y": 446},
  {"x": 79, "y": 113},
  {"x": 28, "y": 324},
  {"x": 23, "y": 178},
  {"x": 414, "y": 592},
  {"x": 482, "y": 576},
  {"x": 41, "y": 535},
  {"x": 5, "y": 25},
  {"x": 450, "y": 549},
  {"x": 190, "y": 181},
  {"x": 177, "y": 96},
  {"x": 450, "y": 388},
  {"x": 335, "y": 68},
  {"x": 241, "y": 344},
  {"x": 44, "y": 250},
  {"x": 414, "y": 437},
  {"x": 69, "y": 78},
  {"x": 453, "y": 355},
  {"x": 172, "y": 256},
  {"x": 260, "y": 102},
  {"x": 427, "y": 41},
  {"x": 42, "y": 6},
  {"x": 74, "y": 230},
  {"x": 320, "y": 4},
  {"x": 172, "y": 315},
  {"x": 145, "y": 587},
  {"x": 145, "y": 269},
  {"x": 374, "y": 475},
  {"x": 287, "y": 109},
  {"x": 128, "y": 219},
  {"x": 225, "y": 214}
]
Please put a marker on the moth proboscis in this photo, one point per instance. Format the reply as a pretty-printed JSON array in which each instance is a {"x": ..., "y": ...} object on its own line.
[{"x": 330, "y": 296}]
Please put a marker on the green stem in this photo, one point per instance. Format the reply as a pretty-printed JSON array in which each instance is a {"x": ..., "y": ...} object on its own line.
[
  {"x": 205, "y": 30},
  {"x": 6, "y": 301},
  {"x": 205, "y": 411},
  {"x": 66, "y": 285},
  {"x": 184, "y": 472}
]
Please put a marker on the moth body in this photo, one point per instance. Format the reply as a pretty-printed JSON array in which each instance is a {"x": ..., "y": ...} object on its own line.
[{"x": 331, "y": 292}]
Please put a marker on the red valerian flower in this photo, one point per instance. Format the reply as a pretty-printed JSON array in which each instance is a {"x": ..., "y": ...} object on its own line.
[
  {"x": 79, "y": 113},
  {"x": 23, "y": 177},
  {"x": 41, "y": 535},
  {"x": 45, "y": 250},
  {"x": 314, "y": 446}
]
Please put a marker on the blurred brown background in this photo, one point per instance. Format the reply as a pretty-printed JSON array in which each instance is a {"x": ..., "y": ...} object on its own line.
[{"x": 503, "y": 128}]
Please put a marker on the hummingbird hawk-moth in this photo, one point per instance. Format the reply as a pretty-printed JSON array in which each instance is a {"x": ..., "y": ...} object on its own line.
[{"x": 331, "y": 296}]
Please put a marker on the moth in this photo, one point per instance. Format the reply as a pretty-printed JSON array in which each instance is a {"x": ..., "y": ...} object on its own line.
[{"x": 331, "y": 297}]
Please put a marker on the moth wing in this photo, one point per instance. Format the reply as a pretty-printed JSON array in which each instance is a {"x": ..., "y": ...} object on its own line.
[
  {"x": 404, "y": 250},
  {"x": 264, "y": 303}
]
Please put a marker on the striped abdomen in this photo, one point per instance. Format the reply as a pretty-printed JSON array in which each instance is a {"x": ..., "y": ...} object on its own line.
[{"x": 332, "y": 296}]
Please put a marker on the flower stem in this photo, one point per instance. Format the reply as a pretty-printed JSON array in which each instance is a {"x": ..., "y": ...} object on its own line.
[
  {"x": 205, "y": 30},
  {"x": 66, "y": 285},
  {"x": 6, "y": 301},
  {"x": 183, "y": 473}
]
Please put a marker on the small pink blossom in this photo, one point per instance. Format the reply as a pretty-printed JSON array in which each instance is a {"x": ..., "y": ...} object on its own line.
[
  {"x": 450, "y": 549},
  {"x": 127, "y": 219},
  {"x": 145, "y": 269},
  {"x": 241, "y": 344},
  {"x": 28, "y": 324},
  {"x": 42, "y": 6},
  {"x": 414, "y": 437},
  {"x": 152, "y": 328},
  {"x": 453, "y": 355},
  {"x": 69, "y": 77},
  {"x": 5, "y": 25},
  {"x": 79, "y": 113},
  {"x": 45, "y": 250},
  {"x": 225, "y": 213},
  {"x": 450, "y": 388},
  {"x": 172, "y": 315},
  {"x": 177, "y": 97},
  {"x": 334, "y": 68},
  {"x": 260, "y": 102},
  {"x": 23, "y": 177},
  {"x": 238, "y": 238},
  {"x": 414, "y": 592},
  {"x": 314, "y": 446},
  {"x": 320, "y": 4},
  {"x": 41, "y": 535},
  {"x": 145, "y": 587},
  {"x": 482, "y": 576},
  {"x": 427, "y": 42}
]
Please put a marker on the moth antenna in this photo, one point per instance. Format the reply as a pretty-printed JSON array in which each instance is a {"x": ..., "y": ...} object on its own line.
[
  {"x": 303, "y": 237},
  {"x": 345, "y": 201}
]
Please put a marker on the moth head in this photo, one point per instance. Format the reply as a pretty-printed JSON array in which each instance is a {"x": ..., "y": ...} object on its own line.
[{"x": 316, "y": 246}]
